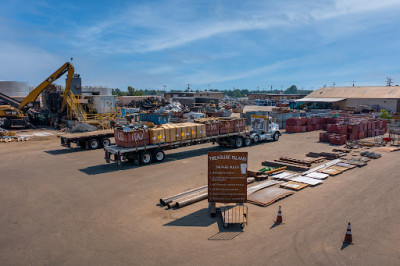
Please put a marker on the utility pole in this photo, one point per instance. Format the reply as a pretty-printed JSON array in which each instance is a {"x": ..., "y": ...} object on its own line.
[{"x": 389, "y": 81}]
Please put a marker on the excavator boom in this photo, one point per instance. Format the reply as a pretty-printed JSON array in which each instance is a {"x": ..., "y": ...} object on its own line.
[{"x": 32, "y": 96}]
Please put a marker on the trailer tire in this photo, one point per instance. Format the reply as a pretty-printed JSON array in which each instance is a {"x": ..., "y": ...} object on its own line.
[
  {"x": 238, "y": 142},
  {"x": 145, "y": 157},
  {"x": 247, "y": 141},
  {"x": 256, "y": 138},
  {"x": 94, "y": 144},
  {"x": 276, "y": 136},
  {"x": 105, "y": 142},
  {"x": 158, "y": 155}
]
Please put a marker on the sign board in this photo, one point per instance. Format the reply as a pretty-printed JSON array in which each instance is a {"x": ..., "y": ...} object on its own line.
[{"x": 227, "y": 177}]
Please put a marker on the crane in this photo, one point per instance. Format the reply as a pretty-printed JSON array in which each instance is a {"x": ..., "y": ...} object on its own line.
[
  {"x": 13, "y": 114},
  {"x": 32, "y": 96}
]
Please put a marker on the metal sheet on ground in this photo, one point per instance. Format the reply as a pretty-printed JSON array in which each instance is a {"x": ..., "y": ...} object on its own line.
[
  {"x": 319, "y": 176},
  {"x": 284, "y": 175},
  {"x": 266, "y": 197},
  {"x": 227, "y": 177},
  {"x": 306, "y": 180}
]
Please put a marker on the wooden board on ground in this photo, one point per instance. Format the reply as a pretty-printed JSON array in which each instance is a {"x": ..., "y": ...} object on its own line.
[
  {"x": 289, "y": 166},
  {"x": 266, "y": 197},
  {"x": 294, "y": 185},
  {"x": 387, "y": 149},
  {"x": 334, "y": 170}
]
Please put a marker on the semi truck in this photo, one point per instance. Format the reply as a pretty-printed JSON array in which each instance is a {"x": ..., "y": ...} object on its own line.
[{"x": 262, "y": 128}]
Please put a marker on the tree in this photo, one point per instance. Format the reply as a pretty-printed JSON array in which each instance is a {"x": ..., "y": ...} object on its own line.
[
  {"x": 116, "y": 92},
  {"x": 291, "y": 90}
]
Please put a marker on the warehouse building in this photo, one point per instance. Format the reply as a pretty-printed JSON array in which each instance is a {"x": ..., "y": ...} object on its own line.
[
  {"x": 356, "y": 98},
  {"x": 274, "y": 96}
]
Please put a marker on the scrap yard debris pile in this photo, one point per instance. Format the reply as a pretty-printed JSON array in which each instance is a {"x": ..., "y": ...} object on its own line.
[
  {"x": 7, "y": 136},
  {"x": 339, "y": 129},
  {"x": 138, "y": 136}
]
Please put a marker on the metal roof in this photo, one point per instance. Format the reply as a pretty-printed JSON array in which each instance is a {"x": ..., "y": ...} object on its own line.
[
  {"x": 324, "y": 100},
  {"x": 372, "y": 92}
]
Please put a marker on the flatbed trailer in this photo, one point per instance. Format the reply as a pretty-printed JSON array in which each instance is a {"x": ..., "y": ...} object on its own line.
[
  {"x": 87, "y": 140},
  {"x": 155, "y": 152}
]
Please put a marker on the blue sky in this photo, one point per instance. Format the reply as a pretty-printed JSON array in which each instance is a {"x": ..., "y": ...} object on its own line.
[{"x": 208, "y": 44}]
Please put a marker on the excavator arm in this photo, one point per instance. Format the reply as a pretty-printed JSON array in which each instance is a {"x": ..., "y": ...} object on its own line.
[{"x": 32, "y": 96}]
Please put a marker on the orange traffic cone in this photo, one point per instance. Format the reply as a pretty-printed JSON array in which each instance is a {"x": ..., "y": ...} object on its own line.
[
  {"x": 279, "y": 217},
  {"x": 348, "y": 239}
]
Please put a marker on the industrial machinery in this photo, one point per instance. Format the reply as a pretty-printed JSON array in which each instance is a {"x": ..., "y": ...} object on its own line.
[
  {"x": 19, "y": 112},
  {"x": 12, "y": 117},
  {"x": 16, "y": 114}
]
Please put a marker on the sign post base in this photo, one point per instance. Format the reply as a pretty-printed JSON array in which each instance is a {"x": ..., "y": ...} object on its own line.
[{"x": 212, "y": 208}]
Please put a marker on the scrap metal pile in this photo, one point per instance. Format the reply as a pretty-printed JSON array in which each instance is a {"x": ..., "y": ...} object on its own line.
[
  {"x": 339, "y": 129},
  {"x": 8, "y": 136}
]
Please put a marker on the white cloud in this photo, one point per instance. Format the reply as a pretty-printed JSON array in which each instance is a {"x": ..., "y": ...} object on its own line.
[{"x": 161, "y": 28}]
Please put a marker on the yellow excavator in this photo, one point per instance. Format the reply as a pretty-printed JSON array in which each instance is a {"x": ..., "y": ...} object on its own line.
[{"x": 14, "y": 114}]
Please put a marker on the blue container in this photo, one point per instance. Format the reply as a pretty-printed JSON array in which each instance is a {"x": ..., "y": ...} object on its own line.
[{"x": 156, "y": 119}]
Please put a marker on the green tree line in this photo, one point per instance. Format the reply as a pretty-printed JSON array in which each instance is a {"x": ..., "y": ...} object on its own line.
[{"x": 238, "y": 93}]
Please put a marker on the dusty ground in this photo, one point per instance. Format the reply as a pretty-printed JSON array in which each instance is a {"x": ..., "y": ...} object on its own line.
[{"x": 63, "y": 206}]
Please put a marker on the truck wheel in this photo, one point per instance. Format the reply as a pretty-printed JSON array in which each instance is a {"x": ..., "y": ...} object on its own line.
[
  {"x": 145, "y": 157},
  {"x": 82, "y": 144},
  {"x": 256, "y": 138},
  {"x": 158, "y": 155},
  {"x": 238, "y": 142},
  {"x": 106, "y": 142},
  {"x": 276, "y": 136},
  {"x": 94, "y": 144},
  {"x": 247, "y": 141}
]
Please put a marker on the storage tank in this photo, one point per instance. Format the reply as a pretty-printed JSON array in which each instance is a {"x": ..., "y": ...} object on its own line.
[
  {"x": 104, "y": 103},
  {"x": 14, "y": 88}
]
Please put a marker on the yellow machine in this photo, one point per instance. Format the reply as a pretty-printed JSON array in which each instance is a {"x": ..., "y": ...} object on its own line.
[
  {"x": 12, "y": 117},
  {"x": 32, "y": 96},
  {"x": 75, "y": 109}
]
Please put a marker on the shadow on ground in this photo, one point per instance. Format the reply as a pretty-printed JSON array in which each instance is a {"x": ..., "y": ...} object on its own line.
[
  {"x": 345, "y": 245},
  {"x": 200, "y": 218},
  {"x": 107, "y": 168},
  {"x": 65, "y": 151},
  {"x": 228, "y": 233}
]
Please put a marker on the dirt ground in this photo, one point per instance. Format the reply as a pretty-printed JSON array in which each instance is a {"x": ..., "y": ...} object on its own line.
[{"x": 64, "y": 206}]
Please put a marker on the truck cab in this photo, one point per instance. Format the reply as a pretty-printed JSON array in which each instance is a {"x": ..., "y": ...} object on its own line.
[{"x": 264, "y": 128}]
